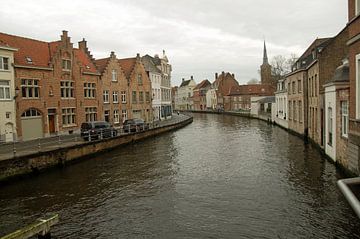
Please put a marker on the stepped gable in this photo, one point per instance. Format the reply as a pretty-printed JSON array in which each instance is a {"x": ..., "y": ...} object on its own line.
[
  {"x": 127, "y": 65},
  {"x": 85, "y": 61},
  {"x": 202, "y": 84},
  {"x": 37, "y": 51}
]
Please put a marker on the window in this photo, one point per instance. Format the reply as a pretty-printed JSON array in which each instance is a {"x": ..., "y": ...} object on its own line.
[
  {"x": 66, "y": 64},
  {"x": 315, "y": 86},
  {"x": 90, "y": 114},
  {"x": 8, "y": 115},
  {"x": 124, "y": 115},
  {"x": 89, "y": 90},
  {"x": 106, "y": 96},
  {"x": 330, "y": 125},
  {"x": 107, "y": 115},
  {"x": 141, "y": 97},
  {"x": 344, "y": 118},
  {"x": 113, "y": 75},
  {"x": 116, "y": 116},
  {"x": 5, "y": 90},
  {"x": 123, "y": 96},
  {"x": 295, "y": 111},
  {"x": 67, "y": 89},
  {"x": 300, "y": 111},
  {"x": 139, "y": 79},
  {"x": 357, "y": 86},
  {"x": 30, "y": 88},
  {"x": 147, "y": 96},
  {"x": 4, "y": 63},
  {"x": 31, "y": 113},
  {"x": 134, "y": 97},
  {"x": 293, "y": 87},
  {"x": 290, "y": 110},
  {"x": 289, "y": 88},
  {"x": 299, "y": 86},
  {"x": 115, "y": 97},
  {"x": 68, "y": 116}
]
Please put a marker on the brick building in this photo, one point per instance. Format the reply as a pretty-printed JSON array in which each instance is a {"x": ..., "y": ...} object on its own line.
[
  {"x": 115, "y": 91},
  {"x": 58, "y": 86},
  {"x": 354, "y": 81},
  {"x": 199, "y": 96},
  {"x": 222, "y": 84},
  {"x": 139, "y": 89}
]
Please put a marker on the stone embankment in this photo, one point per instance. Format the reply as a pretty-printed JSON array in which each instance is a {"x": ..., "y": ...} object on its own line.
[{"x": 36, "y": 162}]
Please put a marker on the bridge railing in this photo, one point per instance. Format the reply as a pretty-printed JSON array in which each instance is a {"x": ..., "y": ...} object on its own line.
[{"x": 347, "y": 187}]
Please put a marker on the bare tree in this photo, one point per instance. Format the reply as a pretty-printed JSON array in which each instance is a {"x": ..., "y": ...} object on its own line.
[{"x": 280, "y": 65}]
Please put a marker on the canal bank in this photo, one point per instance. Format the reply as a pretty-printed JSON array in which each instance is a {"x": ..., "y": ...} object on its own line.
[{"x": 35, "y": 162}]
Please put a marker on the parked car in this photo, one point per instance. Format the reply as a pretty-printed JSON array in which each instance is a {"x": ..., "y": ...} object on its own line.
[
  {"x": 97, "y": 130},
  {"x": 134, "y": 125}
]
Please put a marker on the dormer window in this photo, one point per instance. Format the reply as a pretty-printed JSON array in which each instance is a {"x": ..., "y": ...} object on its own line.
[
  {"x": 66, "y": 64},
  {"x": 28, "y": 60}
]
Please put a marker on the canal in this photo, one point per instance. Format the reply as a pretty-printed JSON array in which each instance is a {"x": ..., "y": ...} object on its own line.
[{"x": 220, "y": 177}]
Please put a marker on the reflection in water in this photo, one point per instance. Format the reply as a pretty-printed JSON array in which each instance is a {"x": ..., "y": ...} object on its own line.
[{"x": 220, "y": 177}]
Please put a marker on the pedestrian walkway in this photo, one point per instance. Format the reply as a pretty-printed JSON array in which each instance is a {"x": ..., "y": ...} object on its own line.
[{"x": 18, "y": 149}]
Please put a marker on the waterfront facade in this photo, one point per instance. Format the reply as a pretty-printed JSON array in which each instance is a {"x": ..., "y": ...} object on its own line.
[
  {"x": 223, "y": 84},
  {"x": 7, "y": 94},
  {"x": 211, "y": 99},
  {"x": 199, "y": 95},
  {"x": 184, "y": 99},
  {"x": 354, "y": 81},
  {"x": 58, "y": 86},
  {"x": 115, "y": 90},
  {"x": 280, "y": 108}
]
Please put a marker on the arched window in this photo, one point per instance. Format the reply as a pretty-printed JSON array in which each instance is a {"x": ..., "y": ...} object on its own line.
[{"x": 31, "y": 113}]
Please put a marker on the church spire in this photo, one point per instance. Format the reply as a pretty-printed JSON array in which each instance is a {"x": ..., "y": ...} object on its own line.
[{"x": 265, "y": 59}]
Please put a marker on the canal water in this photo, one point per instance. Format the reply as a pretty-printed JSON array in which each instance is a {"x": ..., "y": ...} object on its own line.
[{"x": 220, "y": 177}]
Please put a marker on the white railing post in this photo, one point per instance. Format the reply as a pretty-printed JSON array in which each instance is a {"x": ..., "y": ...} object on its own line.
[
  {"x": 89, "y": 136},
  {"x": 14, "y": 148},
  {"x": 39, "y": 144}
]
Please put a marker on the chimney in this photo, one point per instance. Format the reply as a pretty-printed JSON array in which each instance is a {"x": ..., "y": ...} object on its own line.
[
  {"x": 233, "y": 75},
  {"x": 65, "y": 39},
  {"x": 216, "y": 75},
  {"x": 223, "y": 72},
  {"x": 112, "y": 55},
  {"x": 191, "y": 77},
  {"x": 137, "y": 57},
  {"x": 83, "y": 45},
  {"x": 183, "y": 79}
]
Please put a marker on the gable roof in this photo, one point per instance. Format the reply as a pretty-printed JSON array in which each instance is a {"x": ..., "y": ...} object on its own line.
[
  {"x": 127, "y": 65},
  {"x": 85, "y": 61},
  {"x": 38, "y": 51},
  {"x": 202, "y": 84},
  {"x": 149, "y": 64},
  {"x": 253, "y": 89},
  {"x": 101, "y": 64}
]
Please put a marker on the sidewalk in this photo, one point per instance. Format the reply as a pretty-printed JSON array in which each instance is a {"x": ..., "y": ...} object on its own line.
[{"x": 50, "y": 143}]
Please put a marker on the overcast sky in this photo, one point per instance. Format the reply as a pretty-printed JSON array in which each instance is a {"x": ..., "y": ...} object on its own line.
[{"x": 200, "y": 37}]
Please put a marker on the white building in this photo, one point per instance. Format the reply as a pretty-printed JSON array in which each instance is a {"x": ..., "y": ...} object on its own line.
[
  {"x": 211, "y": 99},
  {"x": 280, "y": 109},
  {"x": 184, "y": 101},
  {"x": 7, "y": 94},
  {"x": 159, "y": 71},
  {"x": 336, "y": 114}
]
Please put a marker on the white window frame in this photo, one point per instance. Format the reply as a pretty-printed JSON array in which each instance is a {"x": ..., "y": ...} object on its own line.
[
  {"x": 89, "y": 90},
  {"x": 114, "y": 75},
  {"x": 90, "y": 114},
  {"x": 5, "y": 93},
  {"x": 106, "y": 96},
  {"x": 67, "y": 89},
  {"x": 123, "y": 96},
  {"x": 2, "y": 63},
  {"x": 27, "y": 86},
  {"x": 66, "y": 64},
  {"x": 116, "y": 117},
  {"x": 357, "y": 80},
  {"x": 344, "y": 118},
  {"x": 68, "y": 116},
  {"x": 124, "y": 115},
  {"x": 115, "y": 97}
]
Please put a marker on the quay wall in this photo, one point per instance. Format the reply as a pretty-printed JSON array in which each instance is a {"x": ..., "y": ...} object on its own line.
[{"x": 27, "y": 165}]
